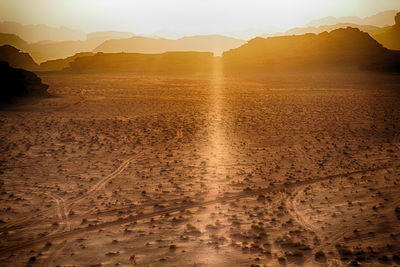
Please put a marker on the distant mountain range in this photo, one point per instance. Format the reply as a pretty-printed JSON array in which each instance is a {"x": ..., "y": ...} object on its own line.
[
  {"x": 381, "y": 19},
  {"x": 340, "y": 49},
  {"x": 372, "y": 30},
  {"x": 299, "y": 44},
  {"x": 216, "y": 44},
  {"x": 13, "y": 40},
  {"x": 36, "y": 33},
  {"x": 42, "y": 52},
  {"x": 134, "y": 62},
  {"x": 391, "y": 37},
  {"x": 100, "y": 42},
  {"x": 109, "y": 35}
]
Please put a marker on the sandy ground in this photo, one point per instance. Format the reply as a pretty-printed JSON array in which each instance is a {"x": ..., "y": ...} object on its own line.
[{"x": 203, "y": 170}]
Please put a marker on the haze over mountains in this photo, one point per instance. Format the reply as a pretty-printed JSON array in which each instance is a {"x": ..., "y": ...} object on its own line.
[
  {"x": 341, "y": 49},
  {"x": 37, "y": 33},
  {"x": 60, "y": 54},
  {"x": 391, "y": 37},
  {"x": 206, "y": 43},
  {"x": 370, "y": 29},
  {"x": 381, "y": 19}
]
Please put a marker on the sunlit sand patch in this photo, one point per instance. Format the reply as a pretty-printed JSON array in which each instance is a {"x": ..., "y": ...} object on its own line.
[{"x": 217, "y": 161}]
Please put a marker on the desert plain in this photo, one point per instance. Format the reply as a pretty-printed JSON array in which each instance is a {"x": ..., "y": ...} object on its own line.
[{"x": 206, "y": 169}]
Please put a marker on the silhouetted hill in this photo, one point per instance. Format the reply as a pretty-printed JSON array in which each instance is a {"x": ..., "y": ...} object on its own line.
[
  {"x": 16, "y": 58},
  {"x": 50, "y": 50},
  {"x": 36, "y": 33},
  {"x": 202, "y": 43},
  {"x": 19, "y": 82},
  {"x": 391, "y": 37},
  {"x": 42, "y": 52},
  {"x": 13, "y": 40},
  {"x": 109, "y": 35},
  {"x": 134, "y": 62},
  {"x": 381, "y": 19},
  {"x": 371, "y": 30},
  {"x": 340, "y": 49},
  {"x": 60, "y": 64}
]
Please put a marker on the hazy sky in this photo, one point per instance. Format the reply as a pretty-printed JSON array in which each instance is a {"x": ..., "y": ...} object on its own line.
[{"x": 188, "y": 16}]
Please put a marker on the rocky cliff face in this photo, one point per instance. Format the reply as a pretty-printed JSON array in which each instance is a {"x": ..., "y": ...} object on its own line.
[{"x": 340, "y": 48}]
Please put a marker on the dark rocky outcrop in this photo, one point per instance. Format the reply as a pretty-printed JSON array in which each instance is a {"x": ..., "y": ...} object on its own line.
[
  {"x": 338, "y": 49},
  {"x": 16, "y": 58},
  {"x": 18, "y": 83}
]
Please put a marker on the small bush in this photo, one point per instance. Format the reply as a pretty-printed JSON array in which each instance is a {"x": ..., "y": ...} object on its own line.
[
  {"x": 383, "y": 258},
  {"x": 281, "y": 259},
  {"x": 320, "y": 255},
  {"x": 296, "y": 253}
]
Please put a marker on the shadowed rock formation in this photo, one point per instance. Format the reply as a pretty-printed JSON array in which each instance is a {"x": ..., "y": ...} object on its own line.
[
  {"x": 60, "y": 64},
  {"x": 126, "y": 62},
  {"x": 16, "y": 58},
  {"x": 339, "y": 49},
  {"x": 18, "y": 83}
]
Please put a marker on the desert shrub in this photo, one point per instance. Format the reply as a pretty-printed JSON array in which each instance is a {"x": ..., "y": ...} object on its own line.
[
  {"x": 296, "y": 253},
  {"x": 396, "y": 258},
  {"x": 281, "y": 259},
  {"x": 319, "y": 254},
  {"x": 345, "y": 252},
  {"x": 191, "y": 228},
  {"x": 383, "y": 258}
]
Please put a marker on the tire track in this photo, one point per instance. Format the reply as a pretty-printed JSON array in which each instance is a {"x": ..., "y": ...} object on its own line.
[
  {"x": 66, "y": 207},
  {"x": 99, "y": 185},
  {"x": 63, "y": 216},
  {"x": 176, "y": 208},
  {"x": 294, "y": 212}
]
